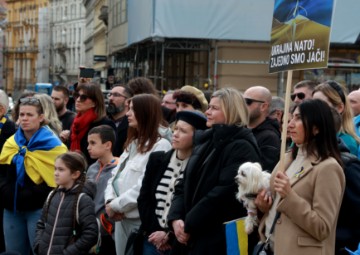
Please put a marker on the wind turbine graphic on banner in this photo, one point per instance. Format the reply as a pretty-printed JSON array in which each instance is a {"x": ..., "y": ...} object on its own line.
[{"x": 297, "y": 15}]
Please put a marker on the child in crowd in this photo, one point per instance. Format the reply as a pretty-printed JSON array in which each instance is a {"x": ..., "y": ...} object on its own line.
[
  {"x": 101, "y": 140},
  {"x": 68, "y": 224}
]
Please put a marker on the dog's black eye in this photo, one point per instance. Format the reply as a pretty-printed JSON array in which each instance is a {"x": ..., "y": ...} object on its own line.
[{"x": 243, "y": 174}]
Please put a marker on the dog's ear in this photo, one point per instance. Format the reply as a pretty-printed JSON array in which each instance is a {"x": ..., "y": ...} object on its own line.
[{"x": 258, "y": 165}]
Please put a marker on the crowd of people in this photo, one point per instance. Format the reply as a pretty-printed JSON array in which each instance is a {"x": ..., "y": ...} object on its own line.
[{"x": 146, "y": 175}]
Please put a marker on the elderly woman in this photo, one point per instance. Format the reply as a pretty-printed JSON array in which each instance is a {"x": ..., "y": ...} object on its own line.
[
  {"x": 27, "y": 174},
  {"x": 205, "y": 198},
  {"x": 309, "y": 193}
]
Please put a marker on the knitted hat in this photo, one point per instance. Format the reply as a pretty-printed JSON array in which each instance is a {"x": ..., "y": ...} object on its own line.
[
  {"x": 194, "y": 118},
  {"x": 198, "y": 94}
]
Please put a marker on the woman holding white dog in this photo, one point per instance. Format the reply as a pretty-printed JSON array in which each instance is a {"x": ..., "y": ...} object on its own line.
[
  {"x": 205, "y": 198},
  {"x": 309, "y": 194}
]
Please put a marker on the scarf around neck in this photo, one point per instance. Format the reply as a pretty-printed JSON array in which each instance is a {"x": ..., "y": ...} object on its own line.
[
  {"x": 2, "y": 122},
  {"x": 80, "y": 126},
  {"x": 36, "y": 158}
]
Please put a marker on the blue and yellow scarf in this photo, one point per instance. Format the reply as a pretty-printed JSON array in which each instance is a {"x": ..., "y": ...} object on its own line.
[
  {"x": 2, "y": 122},
  {"x": 36, "y": 157}
]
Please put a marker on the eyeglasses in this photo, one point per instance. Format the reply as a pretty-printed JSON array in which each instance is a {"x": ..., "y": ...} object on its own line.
[
  {"x": 115, "y": 94},
  {"x": 30, "y": 100},
  {"x": 300, "y": 95},
  {"x": 249, "y": 101},
  {"x": 82, "y": 97}
]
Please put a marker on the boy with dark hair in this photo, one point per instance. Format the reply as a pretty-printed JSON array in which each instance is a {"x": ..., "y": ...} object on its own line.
[{"x": 101, "y": 140}]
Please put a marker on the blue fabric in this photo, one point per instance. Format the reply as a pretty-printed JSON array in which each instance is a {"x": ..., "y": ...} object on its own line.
[
  {"x": 150, "y": 249},
  {"x": 19, "y": 230},
  {"x": 44, "y": 139},
  {"x": 2, "y": 122},
  {"x": 350, "y": 143}
]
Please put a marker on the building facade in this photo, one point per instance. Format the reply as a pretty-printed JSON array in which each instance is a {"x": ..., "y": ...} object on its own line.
[
  {"x": 179, "y": 42},
  {"x": 67, "y": 50},
  {"x": 26, "y": 27}
]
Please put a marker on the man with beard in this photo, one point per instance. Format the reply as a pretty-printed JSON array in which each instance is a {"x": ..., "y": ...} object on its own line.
[
  {"x": 265, "y": 129},
  {"x": 116, "y": 111},
  {"x": 60, "y": 97}
]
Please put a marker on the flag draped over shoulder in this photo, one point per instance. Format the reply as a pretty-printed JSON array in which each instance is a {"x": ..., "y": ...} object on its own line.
[
  {"x": 236, "y": 237},
  {"x": 36, "y": 157}
]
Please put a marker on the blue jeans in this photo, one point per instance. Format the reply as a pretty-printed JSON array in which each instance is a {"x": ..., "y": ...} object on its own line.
[
  {"x": 19, "y": 230},
  {"x": 150, "y": 249}
]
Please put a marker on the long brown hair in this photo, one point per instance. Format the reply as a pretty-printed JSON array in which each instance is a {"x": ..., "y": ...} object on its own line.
[{"x": 148, "y": 114}]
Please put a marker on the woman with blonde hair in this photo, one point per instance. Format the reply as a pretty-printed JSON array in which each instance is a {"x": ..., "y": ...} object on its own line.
[
  {"x": 333, "y": 94},
  {"x": 205, "y": 198},
  {"x": 27, "y": 174},
  {"x": 50, "y": 114}
]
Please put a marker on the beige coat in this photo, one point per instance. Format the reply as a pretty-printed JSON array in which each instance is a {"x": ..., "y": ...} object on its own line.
[{"x": 307, "y": 224}]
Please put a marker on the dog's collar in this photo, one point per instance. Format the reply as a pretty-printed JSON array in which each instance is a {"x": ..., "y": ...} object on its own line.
[{"x": 251, "y": 195}]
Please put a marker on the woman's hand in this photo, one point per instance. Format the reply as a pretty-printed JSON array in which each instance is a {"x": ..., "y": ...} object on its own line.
[
  {"x": 181, "y": 236},
  {"x": 64, "y": 135},
  {"x": 159, "y": 239},
  {"x": 263, "y": 201},
  {"x": 282, "y": 184}
]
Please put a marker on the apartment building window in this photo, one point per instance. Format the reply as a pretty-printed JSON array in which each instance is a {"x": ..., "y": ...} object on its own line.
[
  {"x": 119, "y": 12},
  {"x": 123, "y": 11}
]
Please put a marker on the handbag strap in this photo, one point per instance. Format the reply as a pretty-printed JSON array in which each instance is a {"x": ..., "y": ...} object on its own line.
[{"x": 277, "y": 216}]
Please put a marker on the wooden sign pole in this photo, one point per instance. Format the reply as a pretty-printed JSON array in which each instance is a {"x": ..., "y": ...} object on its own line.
[{"x": 285, "y": 120}]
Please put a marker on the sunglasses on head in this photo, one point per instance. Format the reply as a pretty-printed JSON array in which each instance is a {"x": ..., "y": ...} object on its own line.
[
  {"x": 81, "y": 97},
  {"x": 300, "y": 95},
  {"x": 249, "y": 101},
  {"x": 31, "y": 100}
]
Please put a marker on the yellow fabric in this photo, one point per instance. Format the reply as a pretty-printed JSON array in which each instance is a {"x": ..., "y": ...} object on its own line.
[{"x": 39, "y": 164}]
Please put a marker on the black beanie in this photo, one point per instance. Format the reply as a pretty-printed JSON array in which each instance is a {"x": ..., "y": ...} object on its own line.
[{"x": 195, "y": 119}]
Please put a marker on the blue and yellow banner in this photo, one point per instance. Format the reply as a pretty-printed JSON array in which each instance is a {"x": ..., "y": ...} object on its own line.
[
  {"x": 300, "y": 35},
  {"x": 236, "y": 237}
]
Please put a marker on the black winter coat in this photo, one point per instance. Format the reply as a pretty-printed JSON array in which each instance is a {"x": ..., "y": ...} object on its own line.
[
  {"x": 268, "y": 138},
  {"x": 55, "y": 227},
  {"x": 205, "y": 199},
  {"x": 155, "y": 169}
]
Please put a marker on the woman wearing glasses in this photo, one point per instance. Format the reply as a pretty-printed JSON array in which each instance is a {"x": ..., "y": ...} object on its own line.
[
  {"x": 333, "y": 94},
  {"x": 90, "y": 109},
  {"x": 205, "y": 198},
  {"x": 27, "y": 174}
]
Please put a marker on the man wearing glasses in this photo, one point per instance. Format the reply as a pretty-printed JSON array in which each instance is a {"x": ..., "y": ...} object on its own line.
[
  {"x": 303, "y": 90},
  {"x": 116, "y": 111},
  {"x": 265, "y": 129}
]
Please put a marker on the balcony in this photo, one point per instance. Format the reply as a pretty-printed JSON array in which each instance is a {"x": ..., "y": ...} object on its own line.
[
  {"x": 104, "y": 14},
  {"x": 62, "y": 47}
]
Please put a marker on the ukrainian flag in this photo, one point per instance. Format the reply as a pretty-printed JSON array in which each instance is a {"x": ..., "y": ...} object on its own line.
[
  {"x": 236, "y": 237},
  {"x": 36, "y": 157}
]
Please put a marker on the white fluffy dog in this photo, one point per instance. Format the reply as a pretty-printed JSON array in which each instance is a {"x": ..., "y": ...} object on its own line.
[{"x": 251, "y": 179}]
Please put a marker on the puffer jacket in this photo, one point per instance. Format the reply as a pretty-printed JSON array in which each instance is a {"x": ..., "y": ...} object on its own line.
[{"x": 55, "y": 227}]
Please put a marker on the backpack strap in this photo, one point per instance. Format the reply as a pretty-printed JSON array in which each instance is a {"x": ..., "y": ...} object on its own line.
[{"x": 96, "y": 248}]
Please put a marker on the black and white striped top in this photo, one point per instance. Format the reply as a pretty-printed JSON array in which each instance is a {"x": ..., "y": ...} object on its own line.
[{"x": 166, "y": 187}]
